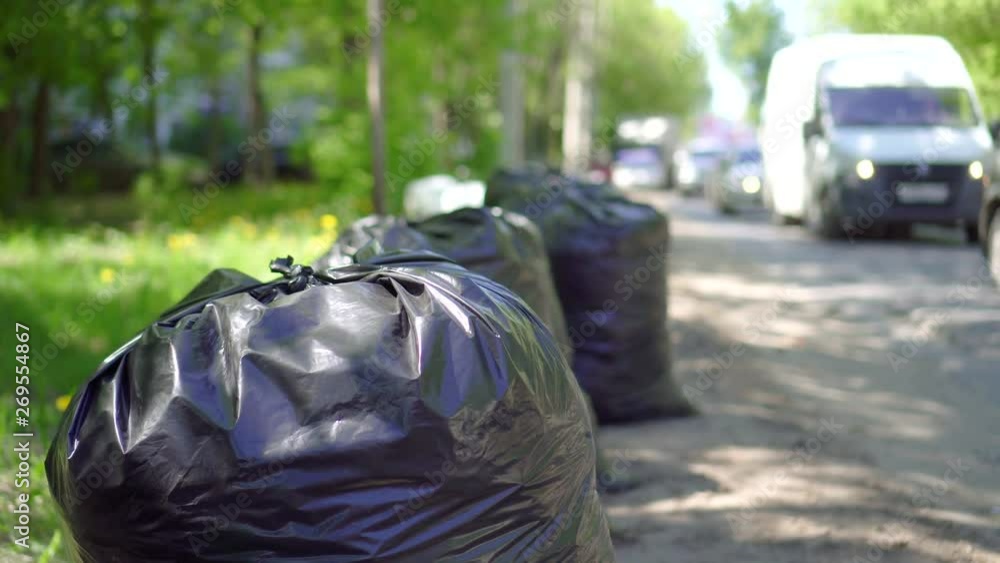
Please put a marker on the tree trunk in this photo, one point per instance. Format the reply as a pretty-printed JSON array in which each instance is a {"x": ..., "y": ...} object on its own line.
[
  {"x": 262, "y": 167},
  {"x": 578, "y": 111},
  {"x": 38, "y": 181},
  {"x": 375, "y": 106},
  {"x": 215, "y": 125},
  {"x": 102, "y": 94},
  {"x": 8, "y": 136},
  {"x": 512, "y": 96},
  {"x": 148, "y": 34},
  {"x": 553, "y": 103},
  {"x": 440, "y": 109},
  {"x": 9, "y": 161}
]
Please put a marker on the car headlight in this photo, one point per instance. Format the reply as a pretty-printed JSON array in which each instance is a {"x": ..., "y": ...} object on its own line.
[
  {"x": 687, "y": 174},
  {"x": 622, "y": 177},
  {"x": 976, "y": 170},
  {"x": 865, "y": 169},
  {"x": 751, "y": 184}
]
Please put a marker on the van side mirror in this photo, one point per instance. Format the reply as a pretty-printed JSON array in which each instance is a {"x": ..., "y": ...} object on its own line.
[
  {"x": 995, "y": 130},
  {"x": 812, "y": 128}
]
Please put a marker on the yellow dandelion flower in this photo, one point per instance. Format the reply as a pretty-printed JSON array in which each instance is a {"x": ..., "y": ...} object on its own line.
[
  {"x": 328, "y": 222},
  {"x": 63, "y": 402},
  {"x": 181, "y": 241},
  {"x": 107, "y": 275}
]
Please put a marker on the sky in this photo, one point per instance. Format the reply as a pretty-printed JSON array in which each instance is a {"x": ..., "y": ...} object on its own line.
[{"x": 729, "y": 96}]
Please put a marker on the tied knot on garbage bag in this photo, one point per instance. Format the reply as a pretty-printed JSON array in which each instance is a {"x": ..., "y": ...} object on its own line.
[
  {"x": 501, "y": 245},
  {"x": 298, "y": 276}
]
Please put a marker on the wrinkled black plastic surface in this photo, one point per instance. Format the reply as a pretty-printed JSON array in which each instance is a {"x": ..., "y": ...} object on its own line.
[
  {"x": 609, "y": 259},
  {"x": 402, "y": 412},
  {"x": 501, "y": 245}
]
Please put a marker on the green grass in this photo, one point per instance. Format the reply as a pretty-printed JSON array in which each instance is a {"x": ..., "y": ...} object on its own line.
[{"x": 87, "y": 274}]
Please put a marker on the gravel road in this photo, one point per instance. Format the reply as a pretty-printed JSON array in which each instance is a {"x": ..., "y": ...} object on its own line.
[{"x": 850, "y": 395}]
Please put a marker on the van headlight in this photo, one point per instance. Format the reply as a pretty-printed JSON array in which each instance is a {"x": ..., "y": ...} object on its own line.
[
  {"x": 622, "y": 177},
  {"x": 976, "y": 170},
  {"x": 687, "y": 173},
  {"x": 865, "y": 169},
  {"x": 751, "y": 184}
]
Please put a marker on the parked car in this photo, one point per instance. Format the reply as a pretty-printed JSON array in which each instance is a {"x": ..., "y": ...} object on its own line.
[
  {"x": 873, "y": 133},
  {"x": 638, "y": 168},
  {"x": 736, "y": 183},
  {"x": 694, "y": 164},
  {"x": 642, "y": 152}
]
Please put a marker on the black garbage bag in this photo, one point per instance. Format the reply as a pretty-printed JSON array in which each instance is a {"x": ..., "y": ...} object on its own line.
[
  {"x": 401, "y": 410},
  {"x": 501, "y": 245},
  {"x": 388, "y": 232},
  {"x": 609, "y": 257}
]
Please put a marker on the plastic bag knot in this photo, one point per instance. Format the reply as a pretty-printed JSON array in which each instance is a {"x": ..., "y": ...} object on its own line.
[{"x": 298, "y": 276}]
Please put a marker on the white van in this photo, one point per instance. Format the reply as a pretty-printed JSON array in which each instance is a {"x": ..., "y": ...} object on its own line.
[{"x": 872, "y": 133}]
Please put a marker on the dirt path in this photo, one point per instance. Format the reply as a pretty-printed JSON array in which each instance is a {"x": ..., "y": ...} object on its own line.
[{"x": 851, "y": 400}]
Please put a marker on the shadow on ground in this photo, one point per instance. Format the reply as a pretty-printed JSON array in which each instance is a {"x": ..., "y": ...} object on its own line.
[{"x": 777, "y": 337}]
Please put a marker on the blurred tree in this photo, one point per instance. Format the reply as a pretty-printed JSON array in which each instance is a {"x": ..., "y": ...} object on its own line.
[
  {"x": 649, "y": 64},
  {"x": 39, "y": 141},
  {"x": 104, "y": 48},
  {"x": 261, "y": 169},
  {"x": 375, "y": 106},
  {"x": 578, "y": 111},
  {"x": 41, "y": 54},
  {"x": 512, "y": 95},
  {"x": 62, "y": 71},
  {"x": 970, "y": 25},
  {"x": 261, "y": 27},
  {"x": 207, "y": 62},
  {"x": 153, "y": 17},
  {"x": 753, "y": 33}
]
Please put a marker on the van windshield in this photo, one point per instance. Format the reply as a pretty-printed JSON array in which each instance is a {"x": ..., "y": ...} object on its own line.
[
  {"x": 639, "y": 157},
  {"x": 900, "y": 106},
  {"x": 748, "y": 155},
  {"x": 705, "y": 158}
]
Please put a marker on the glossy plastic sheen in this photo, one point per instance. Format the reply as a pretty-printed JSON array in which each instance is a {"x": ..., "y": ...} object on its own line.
[
  {"x": 501, "y": 245},
  {"x": 609, "y": 258},
  {"x": 386, "y": 412}
]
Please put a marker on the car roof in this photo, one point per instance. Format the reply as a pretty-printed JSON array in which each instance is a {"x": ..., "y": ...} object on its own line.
[{"x": 834, "y": 45}]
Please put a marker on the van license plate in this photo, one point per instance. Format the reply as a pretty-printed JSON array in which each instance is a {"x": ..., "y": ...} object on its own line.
[{"x": 921, "y": 192}]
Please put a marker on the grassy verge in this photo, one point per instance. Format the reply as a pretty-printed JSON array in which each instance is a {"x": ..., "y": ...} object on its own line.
[{"x": 86, "y": 275}]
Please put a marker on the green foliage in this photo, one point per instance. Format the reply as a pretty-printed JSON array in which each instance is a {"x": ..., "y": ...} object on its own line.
[
  {"x": 193, "y": 136},
  {"x": 178, "y": 175},
  {"x": 441, "y": 97},
  {"x": 753, "y": 33},
  {"x": 647, "y": 64},
  {"x": 103, "y": 284},
  {"x": 336, "y": 149},
  {"x": 145, "y": 247},
  {"x": 442, "y": 77}
]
